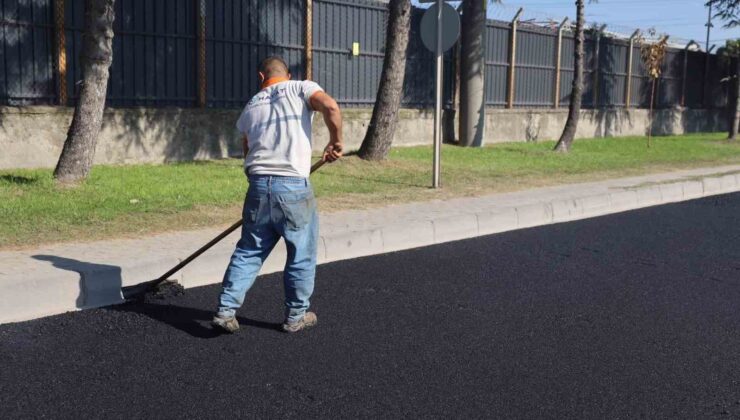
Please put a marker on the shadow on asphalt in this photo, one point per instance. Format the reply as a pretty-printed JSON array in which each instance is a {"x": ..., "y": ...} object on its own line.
[
  {"x": 101, "y": 283},
  {"x": 195, "y": 322}
]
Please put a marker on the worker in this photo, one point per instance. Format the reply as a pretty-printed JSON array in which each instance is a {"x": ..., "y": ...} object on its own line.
[{"x": 276, "y": 136}]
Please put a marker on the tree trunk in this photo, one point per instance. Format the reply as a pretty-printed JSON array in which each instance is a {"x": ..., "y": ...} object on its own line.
[
  {"x": 574, "y": 110},
  {"x": 472, "y": 73},
  {"x": 448, "y": 118},
  {"x": 735, "y": 121},
  {"x": 650, "y": 113},
  {"x": 380, "y": 131},
  {"x": 96, "y": 57}
]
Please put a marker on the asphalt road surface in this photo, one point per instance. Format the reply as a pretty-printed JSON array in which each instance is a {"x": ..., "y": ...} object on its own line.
[{"x": 630, "y": 315}]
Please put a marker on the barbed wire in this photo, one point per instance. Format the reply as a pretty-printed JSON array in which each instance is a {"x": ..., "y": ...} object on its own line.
[{"x": 505, "y": 13}]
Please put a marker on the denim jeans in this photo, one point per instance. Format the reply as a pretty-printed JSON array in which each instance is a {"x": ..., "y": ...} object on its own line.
[{"x": 275, "y": 206}]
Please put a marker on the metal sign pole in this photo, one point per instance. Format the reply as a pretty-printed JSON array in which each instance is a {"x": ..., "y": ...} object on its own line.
[
  {"x": 438, "y": 100},
  {"x": 439, "y": 29}
]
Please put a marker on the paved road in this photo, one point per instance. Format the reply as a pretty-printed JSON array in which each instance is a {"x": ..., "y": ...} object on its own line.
[{"x": 630, "y": 315}]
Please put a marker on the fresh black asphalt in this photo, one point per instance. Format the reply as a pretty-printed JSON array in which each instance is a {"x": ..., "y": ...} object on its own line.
[{"x": 634, "y": 315}]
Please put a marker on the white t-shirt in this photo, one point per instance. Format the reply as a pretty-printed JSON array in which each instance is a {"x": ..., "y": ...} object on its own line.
[{"x": 277, "y": 122}]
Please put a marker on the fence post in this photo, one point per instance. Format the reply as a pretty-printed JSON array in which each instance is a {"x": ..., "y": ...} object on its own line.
[
  {"x": 309, "y": 40},
  {"x": 61, "y": 50},
  {"x": 705, "y": 82},
  {"x": 628, "y": 94},
  {"x": 558, "y": 56},
  {"x": 200, "y": 10},
  {"x": 685, "y": 69},
  {"x": 597, "y": 66},
  {"x": 512, "y": 59}
]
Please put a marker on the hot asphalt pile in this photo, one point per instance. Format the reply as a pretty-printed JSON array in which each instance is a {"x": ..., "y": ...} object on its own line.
[{"x": 630, "y": 315}]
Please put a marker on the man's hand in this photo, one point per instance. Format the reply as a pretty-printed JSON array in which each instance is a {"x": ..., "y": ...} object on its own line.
[{"x": 332, "y": 152}]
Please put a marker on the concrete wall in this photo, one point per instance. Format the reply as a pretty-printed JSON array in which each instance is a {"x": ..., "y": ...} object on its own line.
[
  {"x": 33, "y": 137},
  {"x": 547, "y": 124}
]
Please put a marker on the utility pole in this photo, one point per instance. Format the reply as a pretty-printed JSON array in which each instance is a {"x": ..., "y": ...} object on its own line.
[{"x": 709, "y": 24}]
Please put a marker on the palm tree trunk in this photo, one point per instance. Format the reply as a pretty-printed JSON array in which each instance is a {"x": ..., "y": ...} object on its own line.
[
  {"x": 472, "y": 73},
  {"x": 380, "y": 131},
  {"x": 96, "y": 57},
  {"x": 574, "y": 109}
]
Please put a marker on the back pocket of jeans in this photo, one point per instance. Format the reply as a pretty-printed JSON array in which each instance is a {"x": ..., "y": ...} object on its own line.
[
  {"x": 297, "y": 208},
  {"x": 251, "y": 209}
]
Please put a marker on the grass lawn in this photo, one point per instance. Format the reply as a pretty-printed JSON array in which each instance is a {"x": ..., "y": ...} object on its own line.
[{"x": 125, "y": 201}]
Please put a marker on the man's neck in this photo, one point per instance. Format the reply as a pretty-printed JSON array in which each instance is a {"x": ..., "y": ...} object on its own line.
[{"x": 274, "y": 80}]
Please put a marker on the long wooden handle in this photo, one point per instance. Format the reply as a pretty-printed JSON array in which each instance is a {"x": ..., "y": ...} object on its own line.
[{"x": 217, "y": 239}]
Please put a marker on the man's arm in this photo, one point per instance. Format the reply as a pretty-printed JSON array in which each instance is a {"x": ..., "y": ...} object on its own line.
[
  {"x": 245, "y": 145},
  {"x": 328, "y": 107}
]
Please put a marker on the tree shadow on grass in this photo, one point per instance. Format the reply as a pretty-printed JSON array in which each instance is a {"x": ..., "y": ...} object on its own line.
[
  {"x": 18, "y": 180},
  {"x": 382, "y": 181}
]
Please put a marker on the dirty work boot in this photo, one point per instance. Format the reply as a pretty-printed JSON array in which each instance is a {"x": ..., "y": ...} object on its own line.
[
  {"x": 228, "y": 324},
  {"x": 309, "y": 320}
]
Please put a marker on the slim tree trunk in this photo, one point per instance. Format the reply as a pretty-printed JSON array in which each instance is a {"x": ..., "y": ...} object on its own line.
[
  {"x": 96, "y": 57},
  {"x": 574, "y": 110},
  {"x": 380, "y": 131},
  {"x": 650, "y": 113},
  {"x": 472, "y": 73},
  {"x": 735, "y": 122}
]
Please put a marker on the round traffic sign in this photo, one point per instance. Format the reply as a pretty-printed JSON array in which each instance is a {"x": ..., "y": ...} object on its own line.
[{"x": 450, "y": 27}]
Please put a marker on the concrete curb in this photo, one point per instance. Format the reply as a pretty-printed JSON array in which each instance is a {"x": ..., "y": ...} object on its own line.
[{"x": 64, "y": 286}]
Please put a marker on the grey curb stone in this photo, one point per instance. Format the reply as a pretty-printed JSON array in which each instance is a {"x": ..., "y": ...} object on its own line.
[
  {"x": 565, "y": 210},
  {"x": 353, "y": 244},
  {"x": 408, "y": 235},
  {"x": 649, "y": 196},
  {"x": 711, "y": 185},
  {"x": 19, "y": 300},
  {"x": 321, "y": 257},
  {"x": 452, "y": 228},
  {"x": 595, "y": 204},
  {"x": 536, "y": 214},
  {"x": 727, "y": 182},
  {"x": 692, "y": 189},
  {"x": 671, "y": 192},
  {"x": 623, "y": 200},
  {"x": 497, "y": 221}
]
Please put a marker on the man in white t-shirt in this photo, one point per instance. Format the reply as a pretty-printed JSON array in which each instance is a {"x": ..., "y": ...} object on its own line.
[{"x": 276, "y": 128}]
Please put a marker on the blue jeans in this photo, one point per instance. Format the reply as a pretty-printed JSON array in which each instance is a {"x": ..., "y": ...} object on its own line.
[{"x": 275, "y": 206}]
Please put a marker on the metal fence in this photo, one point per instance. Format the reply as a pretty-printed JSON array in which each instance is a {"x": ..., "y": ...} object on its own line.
[
  {"x": 160, "y": 51},
  {"x": 606, "y": 62}
]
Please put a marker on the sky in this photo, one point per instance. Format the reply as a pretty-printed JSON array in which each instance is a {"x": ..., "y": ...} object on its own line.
[{"x": 681, "y": 19}]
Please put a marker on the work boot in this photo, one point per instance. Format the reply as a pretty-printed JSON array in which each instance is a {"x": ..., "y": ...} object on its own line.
[
  {"x": 228, "y": 324},
  {"x": 309, "y": 320}
]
